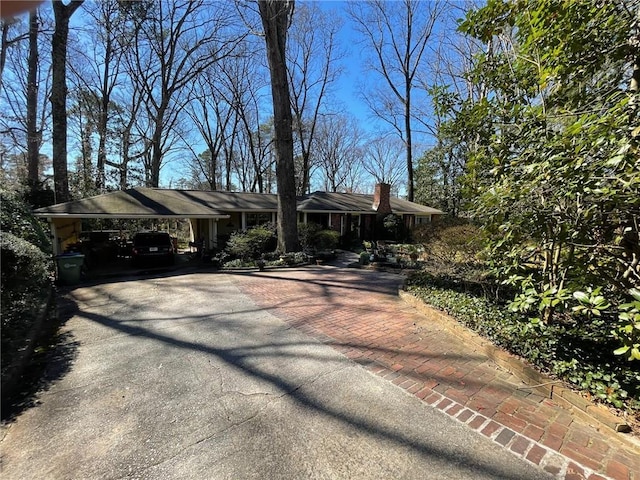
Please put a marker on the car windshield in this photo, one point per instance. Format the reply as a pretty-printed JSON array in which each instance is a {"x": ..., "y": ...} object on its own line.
[{"x": 149, "y": 239}]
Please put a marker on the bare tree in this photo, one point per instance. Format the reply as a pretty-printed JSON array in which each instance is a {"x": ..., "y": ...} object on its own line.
[
  {"x": 383, "y": 160},
  {"x": 311, "y": 60},
  {"x": 131, "y": 148},
  {"x": 6, "y": 42},
  {"x": 23, "y": 97},
  {"x": 177, "y": 42},
  {"x": 212, "y": 115},
  {"x": 397, "y": 34},
  {"x": 450, "y": 83},
  {"x": 98, "y": 64},
  {"x": 338, "y": 146},
  {"x": 255, "y": 133},
  {"x": 276, "y": 17}
]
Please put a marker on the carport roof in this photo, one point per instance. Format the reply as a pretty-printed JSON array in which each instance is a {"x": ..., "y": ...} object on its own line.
[
  {"x": 144, "y": 202},
  {"x": 136, "y": 203}
]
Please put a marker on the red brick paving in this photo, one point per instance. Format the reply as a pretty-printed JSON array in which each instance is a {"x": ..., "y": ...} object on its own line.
[{"x": 359, "y": 313}]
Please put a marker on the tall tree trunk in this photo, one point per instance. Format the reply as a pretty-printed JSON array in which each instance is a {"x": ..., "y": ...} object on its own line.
[
  {"x": 62, "y": 15},
  {"x": 408, "y": 141},
  {"x": 275, "y": 17},
  {"x": 33, "y": 137},
  {"x": 104, "y": 117},
  {"x": 4, "y": 46}
]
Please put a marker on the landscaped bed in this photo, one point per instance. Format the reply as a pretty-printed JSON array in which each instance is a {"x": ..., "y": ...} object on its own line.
[{"x": 580, "y": 354}]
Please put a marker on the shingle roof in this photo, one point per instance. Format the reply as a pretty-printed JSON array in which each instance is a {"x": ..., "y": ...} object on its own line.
[
  {"x": 357, "y": 203},
  {"x": 144, "y": 202},
  {"x": 135, "y": 202}
]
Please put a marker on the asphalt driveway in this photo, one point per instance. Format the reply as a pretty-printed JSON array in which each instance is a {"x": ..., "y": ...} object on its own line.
[{"x": 184, "y": 376}]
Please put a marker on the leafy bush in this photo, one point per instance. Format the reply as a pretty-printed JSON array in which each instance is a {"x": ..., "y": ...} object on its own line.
[
  {"x": 253, "y": 243},
  {"x": 16, "y": 218},
  {"x": 307, "y": 235},
  {"x": 450, "y": 240},
  {"x": 313, "y": 238},
  {"x": 581, "y": 354},
  {"x": 25, "y": 279},
  {"x": 395, "y": 228},
  {"x": 327, "y": 240},
  {"x": 25, "y": 274}
]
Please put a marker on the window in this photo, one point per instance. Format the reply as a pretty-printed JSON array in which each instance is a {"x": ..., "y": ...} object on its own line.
[{"x": 255, "y": 219}]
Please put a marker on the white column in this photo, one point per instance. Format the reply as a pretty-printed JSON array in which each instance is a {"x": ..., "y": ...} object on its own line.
[
  {"x": 213, "y": 232},
  {"x": 243, "y": 220},
  {"x": 55, "y": 242}
]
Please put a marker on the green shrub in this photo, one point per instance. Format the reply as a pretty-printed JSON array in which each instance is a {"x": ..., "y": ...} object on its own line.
[
  {"x": 307, "y": 235},
  {"x": 327, "y": 240},
  {"x": 451, "y": 241},
  {"x": 16, "y": 218},
  {"x": 394, "y": 228},
  {"x": 579, "y": 353},
  {"x": 251, "y": 244},
  {"x": 312, "y": 238},
  {"x": 25, "y": 279}
]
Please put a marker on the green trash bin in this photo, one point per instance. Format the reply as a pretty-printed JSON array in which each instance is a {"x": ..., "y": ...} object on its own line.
[{"x": 69, "y": 268}]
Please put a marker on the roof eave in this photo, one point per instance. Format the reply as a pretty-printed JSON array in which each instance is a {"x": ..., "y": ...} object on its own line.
[{"x": 129, "y": 216}]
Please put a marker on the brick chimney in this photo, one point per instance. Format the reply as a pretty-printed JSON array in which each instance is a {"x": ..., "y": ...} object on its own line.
[{"x": 382, "y": 199}]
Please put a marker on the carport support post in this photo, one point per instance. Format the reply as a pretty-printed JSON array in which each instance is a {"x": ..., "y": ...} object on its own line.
[
  {"x": 213, "y": 232},
  {"x": 55, "y": 241},
  {"x": 192, "y": 237}
]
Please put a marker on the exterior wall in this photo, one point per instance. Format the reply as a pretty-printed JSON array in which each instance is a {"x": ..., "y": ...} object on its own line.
[
  {"x": 226, "y": 226},
  {"x": 335, "y": 222},
  {"x": 367, "y": 227},
  {"x": 66, "y": 231},
  {"x": 409, "y": 221}
]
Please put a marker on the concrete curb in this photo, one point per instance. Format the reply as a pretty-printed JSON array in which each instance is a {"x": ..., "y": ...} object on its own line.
[{"x": 553, "y": 389}]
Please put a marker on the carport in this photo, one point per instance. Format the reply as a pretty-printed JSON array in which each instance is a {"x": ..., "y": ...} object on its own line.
[{"x": 65, "y": 219}]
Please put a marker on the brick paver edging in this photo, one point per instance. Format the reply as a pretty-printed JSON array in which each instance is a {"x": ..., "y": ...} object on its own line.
[
  {"x": 545, "y": 385},
  {"x": 555, "y": 463}
]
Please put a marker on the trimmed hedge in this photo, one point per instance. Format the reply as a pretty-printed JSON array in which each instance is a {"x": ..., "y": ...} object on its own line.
[
  {"x": 25, "y": 281},
  {"x": 16, "y": 218},
  {"x": 580, "y": 354},
  {"x": 253, "y": 243}
]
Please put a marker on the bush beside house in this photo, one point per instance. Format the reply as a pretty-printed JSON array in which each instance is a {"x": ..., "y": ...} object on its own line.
[{"x": 26, "y": 274}]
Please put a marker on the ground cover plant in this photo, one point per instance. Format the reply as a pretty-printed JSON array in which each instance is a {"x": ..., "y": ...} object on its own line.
[{"x": 579, "y": 346}]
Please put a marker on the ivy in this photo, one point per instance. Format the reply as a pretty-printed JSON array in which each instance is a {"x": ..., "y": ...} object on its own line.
[{"x": 580, "y": 353}]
